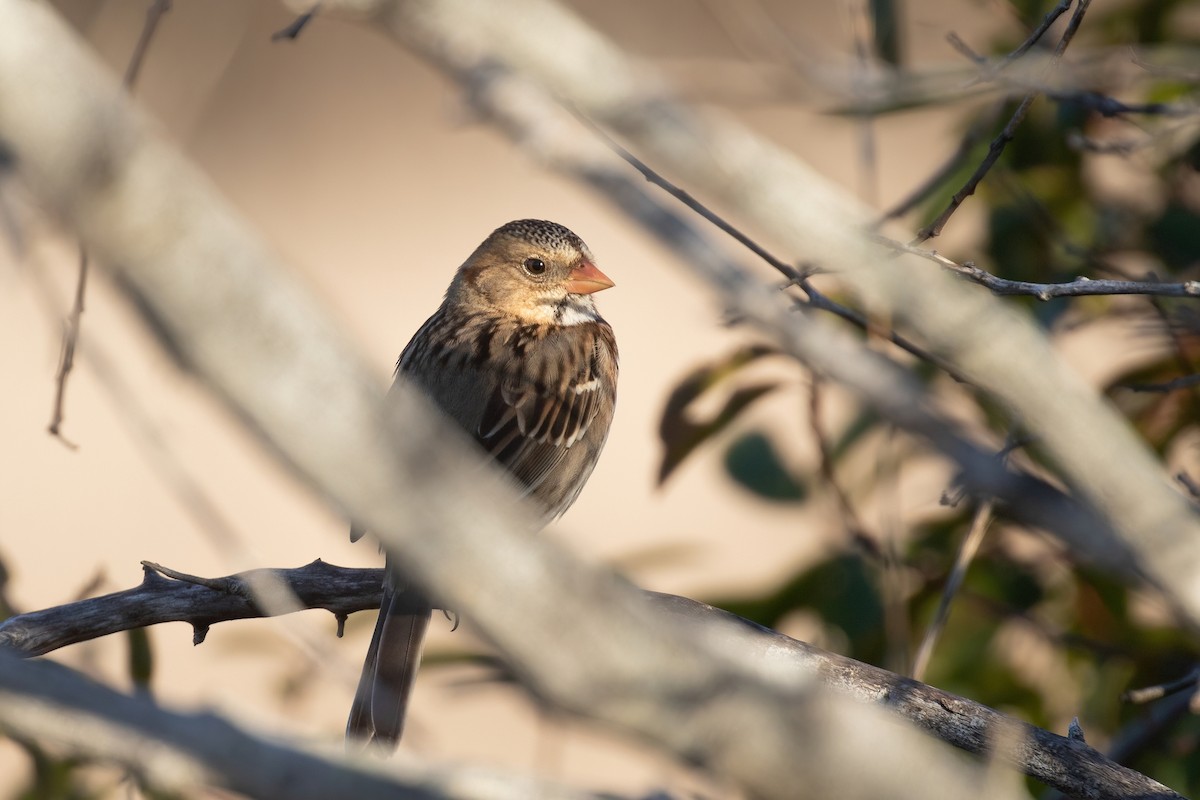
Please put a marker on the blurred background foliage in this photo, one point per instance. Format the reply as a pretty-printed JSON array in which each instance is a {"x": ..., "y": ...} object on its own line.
[{"x": 1031, "y": 631}]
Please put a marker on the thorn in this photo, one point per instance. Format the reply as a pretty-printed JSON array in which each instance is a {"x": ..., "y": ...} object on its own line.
[
  {"x": 341, "y": 624},
  {"x": 1075, "y": 731},
  {"x": 199, "y": 633}
]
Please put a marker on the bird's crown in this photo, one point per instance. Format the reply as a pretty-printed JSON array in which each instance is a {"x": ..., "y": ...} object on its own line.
[{"x": 541, "y": 232}]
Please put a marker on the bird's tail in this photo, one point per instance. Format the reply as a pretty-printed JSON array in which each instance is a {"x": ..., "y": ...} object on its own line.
[{"x": 377, "y": 715}]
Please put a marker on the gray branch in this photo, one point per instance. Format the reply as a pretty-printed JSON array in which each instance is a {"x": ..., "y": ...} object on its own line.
[
  {"x": 157, "y": 599},
  {"x": 1080, "y": 287},
  {"x": 178, "y": 753},
  {"x": 1072, "y": 767}
]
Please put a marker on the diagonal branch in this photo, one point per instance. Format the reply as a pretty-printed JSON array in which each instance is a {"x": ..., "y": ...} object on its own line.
[
  {"x": 1151, "y": 531},
  {"x": 997, "y": 146},
  {"x": 176, "y": 754}
]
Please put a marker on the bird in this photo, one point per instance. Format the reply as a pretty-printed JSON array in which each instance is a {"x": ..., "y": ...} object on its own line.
[{"x": 519, "y": 357}]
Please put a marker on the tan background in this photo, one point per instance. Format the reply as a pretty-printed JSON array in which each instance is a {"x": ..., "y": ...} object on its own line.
[{"x": 365, "y": 169}]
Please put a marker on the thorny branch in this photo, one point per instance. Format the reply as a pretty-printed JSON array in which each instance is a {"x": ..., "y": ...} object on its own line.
[{"x": 198, "y": 602}]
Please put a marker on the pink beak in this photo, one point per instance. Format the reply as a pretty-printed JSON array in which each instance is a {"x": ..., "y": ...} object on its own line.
[{"x": 586, "y": 279}]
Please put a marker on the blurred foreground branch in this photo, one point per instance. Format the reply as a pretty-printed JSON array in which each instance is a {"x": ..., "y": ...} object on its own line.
[
  {"x": 1070, "y": 766},
  {"x": 178, "y": 753},
  {"x": 1144, "y": 527},
  {"x": 220, "y": 301}
]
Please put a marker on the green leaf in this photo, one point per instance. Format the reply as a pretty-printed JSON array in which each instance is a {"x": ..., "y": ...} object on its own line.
[{"x": 754, "y": 465}]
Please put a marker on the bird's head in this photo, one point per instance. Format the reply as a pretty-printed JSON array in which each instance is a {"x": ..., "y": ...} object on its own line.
[{"x": 536, "y": 270}]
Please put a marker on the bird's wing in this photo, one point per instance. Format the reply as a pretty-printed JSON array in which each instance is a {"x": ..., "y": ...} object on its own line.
[
  {"x": 530, "y": 429},
  {"x": 533, "y": 416}
]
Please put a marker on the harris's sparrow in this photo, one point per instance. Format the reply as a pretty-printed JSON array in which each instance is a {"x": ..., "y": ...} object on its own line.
[{"x": 518, "y": 355}]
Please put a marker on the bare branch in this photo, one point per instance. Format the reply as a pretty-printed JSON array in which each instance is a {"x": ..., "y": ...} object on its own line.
[
  {"x": 962, "y": 561},
  {"x": 338, "y": 590},
  {"x": 996, "y": 148},
  {"x": 1078, "y": 770},
  {"x": 66, "y": 357},
  {"x": 1035, "y": 36},
  {"x": 975, "y": 134},
  {"x": 1080, "y": 287},
  {"x": 154, "y": 15}
]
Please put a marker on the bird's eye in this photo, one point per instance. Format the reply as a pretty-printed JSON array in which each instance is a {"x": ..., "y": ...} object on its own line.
[{"x": 535, "y": 266}]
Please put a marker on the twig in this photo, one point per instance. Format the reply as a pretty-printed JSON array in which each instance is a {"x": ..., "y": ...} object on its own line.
[
  {"x": 153, "y": 14},
  {"x": 993, "y": 154},
  {"x": 1080, "y": 287},
  {"x": 66, "y": 361},
  {"x": 1145, "y": 730},
  {"x": 238, "y": 587},
  {"x": 966, "y": 554},
  {"x": 816, "y": 298},
  {"x": 996, "y": 148},
  {"x": 893, "y": 589},
  {"x": 1148, "y": 693},
  {"x": 1034, "y": 37},
  {"x": 850, "y": 518},
  {"x": 956, "y": 41},
  {"x": 967, "y": 144}
]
